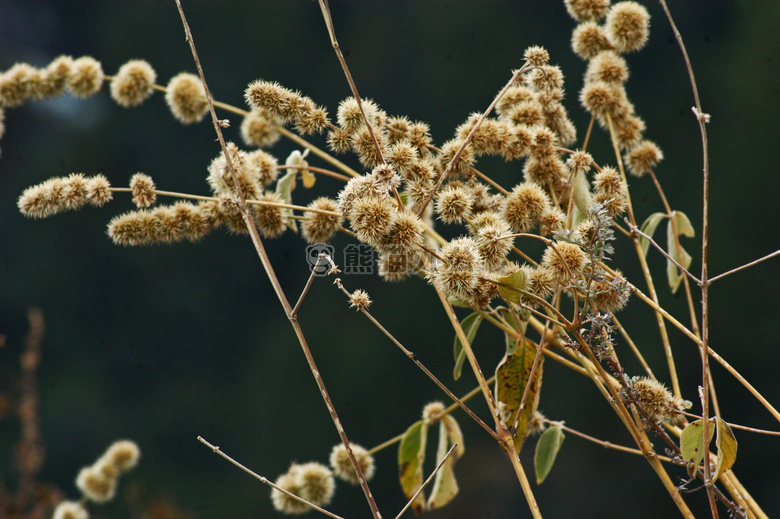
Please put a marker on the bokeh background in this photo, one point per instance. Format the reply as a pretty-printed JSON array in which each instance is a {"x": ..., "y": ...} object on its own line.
[{"x": 162, "y": 344}]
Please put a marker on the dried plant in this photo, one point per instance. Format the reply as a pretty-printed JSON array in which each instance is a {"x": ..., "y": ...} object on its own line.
[{"x": 558, "y": 306}]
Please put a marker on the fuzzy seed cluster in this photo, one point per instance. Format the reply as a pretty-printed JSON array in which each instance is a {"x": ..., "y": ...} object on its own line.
[
  {"x": 98, "y": 481},
  {"x": 310, "y": 481}
]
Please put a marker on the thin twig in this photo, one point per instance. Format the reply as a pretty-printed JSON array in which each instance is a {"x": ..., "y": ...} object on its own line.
[
  {"x": 746, "y": 265},
  {"x": 271, "y": 484},
  {"x": 603, "y": 443}
]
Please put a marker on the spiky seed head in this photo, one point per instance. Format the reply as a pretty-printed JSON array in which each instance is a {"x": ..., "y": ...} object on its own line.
[
  {"x": 615, "y": 204},
  {"x": 372, "y": 218},
  {"x": 339, "y": 141},
  {"x": 132, "y": 84},
  {"x": 355, "y": 189},
  {"x": 55, "y": 196},
  {"x": 432, "y": 412},
  {"x": 349, "y": 116},
  {"x": 493, "y": 244},
  {"x": 461, "y": 167},
  {"x": 610, "y": 191},
  {"x": 281, "y": 102},
  {"x": 312, "y": 120},
  {"x": 544, "y": 141},
  {"x": 588, "y": 39},
  {"x": 628, "y": 26},
  {"x": 423, "y": 170},
  {"x": 518, "y": 142},
  {"x": 609, "y": 297},
  {"x": 461, "y": 254},
  {"x": 55, "y": 77},
  {"x": 607, "y": 66},
  {"x": 566, "y": 260},
  {"x": 221, "y": 179},
  {"x": 95, "y": 486},
  {"x": 582, "y": 10},
  {"x": 363, "y": 146},
  {"x": 406, "y": 235},
  {"x": 585, "y": 232},
  {"x": 629, "y": 128},
  {"x": 398, "y": 129},
  {"x": 143, "y": 188},
  {"x": 608, "y": 181},
  {"x": 515, "y": 94},
  {"x": 269, "y": 219},
  {"x": 600, "y": 97},
  {"x": 291, "y": 483},
  {"x": 541, "y": 282},
  {"x": 16, "y": 84},
  {"x": 123, "y": 455},
  {"x": 548, "y": 77},
  {"x": 485, "y": 218},
  {"x": 186, "y": 98},
  {"x": 524, "y": 205},
  {"x": 402, "y": 156},
  {"x": 659, "y": 403},
  {"x": 552, "y": 219},
  {"x": 319, "y": 227},
  {"x": 454, "y": 203},
  {"x": 317, "y": 483},
  {"x": 86, "y": 77},
  {"x": 526, "y": 112},
  {"x": 487, "y": 137},
  {"x": 342, "y": 466},
  {"x": 98, "y": 191},
  {"x": 358, "y": 300},
  {"x": 420, "y": 137},
  {"x": 259, "y": 128},
  {"x": 643, "y": 157},
  {"x": 70, "y": 510},
  {"x": 536, "y": 56},
  {"x": 264, "y": 165},
  {"x": 580, "y": 162}
]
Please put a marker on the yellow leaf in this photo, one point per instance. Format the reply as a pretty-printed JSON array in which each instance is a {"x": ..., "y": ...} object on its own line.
[{"x": 512, "y": 374}]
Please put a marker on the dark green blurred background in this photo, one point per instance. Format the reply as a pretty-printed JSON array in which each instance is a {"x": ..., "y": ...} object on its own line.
[{"x": 162, "y": 344}]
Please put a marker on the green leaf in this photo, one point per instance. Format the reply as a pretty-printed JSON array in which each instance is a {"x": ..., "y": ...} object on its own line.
[
  {"x": 673, "y": 273},
  {"x": 516, "y": 280},
  {"x": 470, "y": 326},
  {"x": 726, "y": 444},
  {"x": 546, "y": 451},
  {"x": 692, "y": 441},
  {"x": 284, "y": 188},
  {"x": 649, "y": 227},
  {"x": 683, "y": 224},
  {"x": 445, "y": 486},
  {"x": 512, "y": 374},
  {"x": 411, "y": 455}
]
